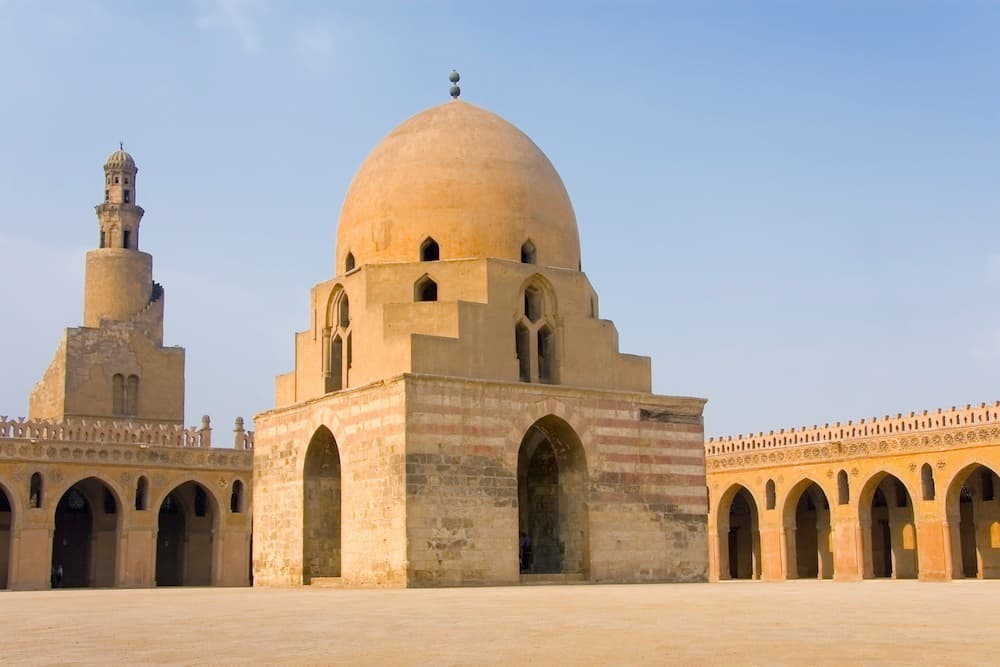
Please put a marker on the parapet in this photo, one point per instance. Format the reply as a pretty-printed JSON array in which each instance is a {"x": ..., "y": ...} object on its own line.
[
  {"x": 914, "y": 422},
  {"x": 120, "y": 432}
]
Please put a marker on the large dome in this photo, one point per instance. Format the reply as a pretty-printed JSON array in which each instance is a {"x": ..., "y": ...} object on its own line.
[{"x": 465, "y": 177}]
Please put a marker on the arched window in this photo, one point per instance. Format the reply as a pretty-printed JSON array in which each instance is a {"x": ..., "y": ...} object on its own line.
[
  {"x": 528, "y": 253},
  {"x": 132, "y": 396},
  {"x": 523, "y": 347},
  {"x": 425, "y": 290},
  {"x": 35, "y": 491},
  {"x": 349, "y": 262},
  {"x": 141, "y": 493},
  {"x": 843, "y": 489},
  {"x": 769, "y": 495},
  {"x": 334, "y": 378},
  {"x": 345, "y": 312},
  {"x": 927, "y": 482},
  {"x": 118, "y": 395},
  {"x": 546, "y": 354},
  {"x": 533, "y": 305},
  {"x": 429, "y": 251},
  {"x": 535, "y": 335},
  {"x": 236, "y": 498}
]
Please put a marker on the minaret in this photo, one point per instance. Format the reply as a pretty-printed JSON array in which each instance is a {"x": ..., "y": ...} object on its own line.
[{"x": 119, "y": 278}]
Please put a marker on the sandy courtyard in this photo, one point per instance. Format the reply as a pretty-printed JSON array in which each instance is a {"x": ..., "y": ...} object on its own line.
[{"x": 733, "y": 623}]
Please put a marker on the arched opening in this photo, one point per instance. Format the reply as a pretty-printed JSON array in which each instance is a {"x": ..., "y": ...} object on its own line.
[
  {"x": 141, "y": 493},
  {"x": 118, "y": 395},
  {"x": 528, "y": 253},
  {"x": 807, "y": 533},
  {"x": 335, "y": 374},
  {"x": 425, "y": 289},
  {"x": 927, "y": 482},
  {"x": 533, "y": 304},
  {"x": 552, "y": 492},
  {"x": 236, "y": 497},
  {"x": 185, "y": 537},
  {"x": 344, "y": 310},
  {"x": 132, "y": 396},
  {"x": 35, "y": 491},
  {"x": 349, "y": 262},
  {"x": 974, "y": 522},
  {"x": 85, "y": 539},
  {"x": 429, "y": 251},
  {"x": 769, "y": 497},
  {"x": 321, "y": 508},
  {"x": 739, "y": 535},
  {"x": 888, "y": 530},
  {"x": 6, "y": 531},
  {"x": 843, "y": 488}
]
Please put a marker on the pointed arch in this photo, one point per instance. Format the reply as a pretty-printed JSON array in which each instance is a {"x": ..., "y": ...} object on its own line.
[
  {"x": 87, "y": 523},
  {"x": 888, "y": 528},
  {"x": 187, "y": 521},
  {"x": 349, "y": 262},
  {"x": 425, "y": 289},
  {"x": 806, "y": 520},
  {"x": 973, "y": 511},
  {"x": 738, "y": 525},
  {"x": 6, "y": 534},
  {"x": 321, "y": 507},
  {"x": 528, "y": 253},
  {"x": 430, "y": 251},
  {"x": 843, "y": 488}
]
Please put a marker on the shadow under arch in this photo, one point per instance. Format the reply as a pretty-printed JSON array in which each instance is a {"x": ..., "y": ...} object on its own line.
[
  {"x": 888, "y": 529},
  {"x": 738, "y": 524},
  {"x": 7, "y": 512},
  {"x": 87, "y": 523},
  {"x": 553, "y": 491},
  {"x": 186, "y": 536},
  {"x": 805, "y": 517},
  {"x": 321, "y": 507},
  {"x": 972, "y": 506}
]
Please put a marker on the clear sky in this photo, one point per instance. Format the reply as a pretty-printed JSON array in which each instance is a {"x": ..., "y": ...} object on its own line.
[{"x": 792, "y": 207}]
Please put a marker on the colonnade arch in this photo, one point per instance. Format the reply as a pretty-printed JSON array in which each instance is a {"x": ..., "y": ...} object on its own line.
[
  {"x": 187, "y": 523},
  {"x": 553, "y": 489},
  {"x": 6, "y": 534},
  {"x": 973, "y": 511},
  {"x": 87, "y": 525},
  {"x": 739, "y": 534},
  {"x": 321, "y": 507},
  {"x": 807, "y": 527},
  {"x": 888, "y": 529}
]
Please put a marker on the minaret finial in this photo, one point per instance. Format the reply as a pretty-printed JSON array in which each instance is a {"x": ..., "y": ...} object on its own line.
[
  {"x": 121, "y": 145},
  {"x": 455, "y": 90}
]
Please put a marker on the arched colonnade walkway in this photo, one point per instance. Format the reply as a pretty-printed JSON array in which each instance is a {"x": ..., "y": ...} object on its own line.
[
  {"x": 919, "y": 521},
  {"x": 94, "y": 532}
]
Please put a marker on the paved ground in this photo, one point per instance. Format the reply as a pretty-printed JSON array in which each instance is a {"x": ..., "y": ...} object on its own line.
[{"x": 732, "y": 623}]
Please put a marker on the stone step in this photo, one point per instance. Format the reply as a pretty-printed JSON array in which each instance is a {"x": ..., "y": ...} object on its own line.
[
  {"x": 566, "y": 578},
  {"x": 326, "y": 582}
]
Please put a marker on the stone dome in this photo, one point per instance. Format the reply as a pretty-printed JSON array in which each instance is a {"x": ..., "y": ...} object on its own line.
[
  {"x": 466, "y": 178},
  {"x": 120, "y": 160}
]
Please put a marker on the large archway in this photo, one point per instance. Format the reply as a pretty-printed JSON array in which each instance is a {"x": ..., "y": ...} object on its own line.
[
  {"x": 85, "y": 539},
  {"x": 6, "y": 531},
  {"x": 888, "y": 529},
  {"x": 973, "y": 509},
  {"x": 552, "y": 492},
  {"x": 807, "y": 533},
  {"x": 185, "y": 536},
  {"x": 739, "y": 535},
  {"x": 321, "y": 503}
]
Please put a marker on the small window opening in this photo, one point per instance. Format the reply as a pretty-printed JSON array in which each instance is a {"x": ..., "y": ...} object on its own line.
[
  {"x": 533, "y": 304},
  {"x": 107, "y": 195},
  {"x": 116, "y": 180},
  {"x": 126, "y": 239},
  {"x": 118, "y": 395},
  {"x": 35, "y": 491},
  {"x": 349, "y": 262},
  {"x": 927, "y": 482},
  {"x": 126, "y": 196},
  {"x": 236, "y": 498},
  {"x": 528, "y": 253},
  {"x": 102, "y": 238},
  {"x": 132, "y": 396},
  {"x": 769, "y": 494},
  {"x": 110, "y": 506},
  {"x": 335, "y": 373},
  {"x": 523, "y": 347},
  {"x": 141, "y": 493},
  {"x": 200, "y": 502},
  {"x": 126, "y": 180},
  {"x": 425, "y": 290},
  {"x": 843, "y": 488},
  {"x": 429, "y": 251}
]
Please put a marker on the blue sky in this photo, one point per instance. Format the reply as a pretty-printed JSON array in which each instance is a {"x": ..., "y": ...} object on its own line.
[{"x": 791, "y": 206}]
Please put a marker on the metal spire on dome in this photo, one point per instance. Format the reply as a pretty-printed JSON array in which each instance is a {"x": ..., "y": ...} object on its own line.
[{"x": 455, "y": 91}]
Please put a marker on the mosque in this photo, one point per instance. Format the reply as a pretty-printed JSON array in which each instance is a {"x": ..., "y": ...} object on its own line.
[{"x": 458, "y": 413}]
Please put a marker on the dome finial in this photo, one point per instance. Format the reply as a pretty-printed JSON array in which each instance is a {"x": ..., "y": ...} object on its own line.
[
  {"x": 121, "y": 145},
  {"x": 455, "y": 91}
]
